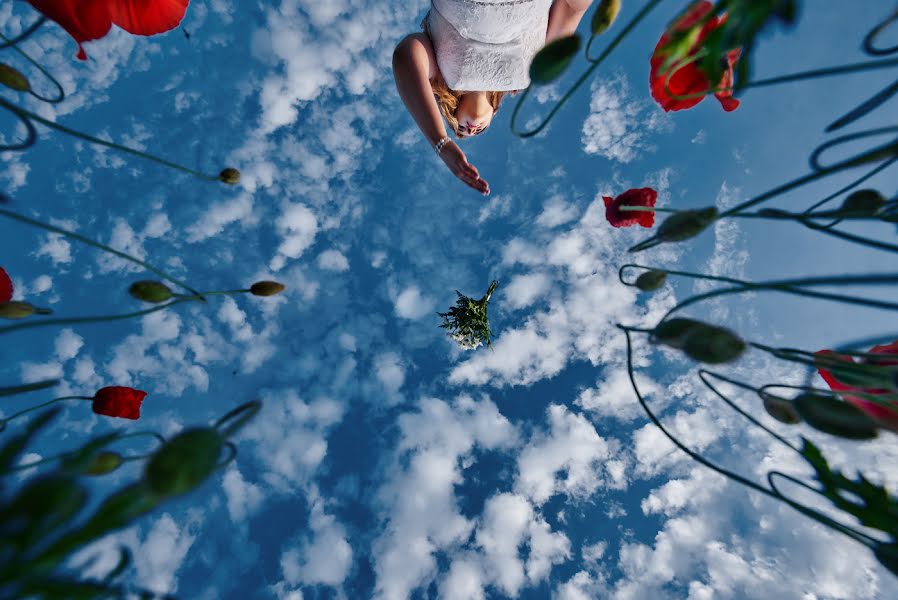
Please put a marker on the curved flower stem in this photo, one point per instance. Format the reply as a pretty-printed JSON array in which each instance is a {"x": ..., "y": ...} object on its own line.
[
  {"x": 65, "y": 455},
  {"x": 701, "y": 375},
  {"x": 85, "y": 240},
  {"x": 595, "y": 64},
  {"x": 695, "y": 456},
  {"x": 856, "y": 535},
  {"x": 60, "y": 93},
  {"x": 772, "y": 492},
  {"x": 7, "y": 42},
  {"x": 858, "y": 239},
  {"x": 198, "y": 297},
  {"x": 236, "y": 418},
  {"x": 30, "y": 136},
  {"x": 29, "y": 387},
  {"x": 26, "y": 114},
  {"x": 42, "y": 405},
  {"x": 787, "y": 286}
]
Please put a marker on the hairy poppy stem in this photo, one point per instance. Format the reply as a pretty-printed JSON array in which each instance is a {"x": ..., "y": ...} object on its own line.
[
  {"x": 39, "y": 406},
  {"x": 580, "y": 80},
  {"x": 29, "y": 387},
  {"x": 85, "y": 240},
  {"x": 26, "y": 114},
  {"x": 7, "y": 42},
  {"x": 179, "y": 299}
]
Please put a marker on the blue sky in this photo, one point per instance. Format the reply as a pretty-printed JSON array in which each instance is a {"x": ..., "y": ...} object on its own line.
[{"x": 387, "y": 463}]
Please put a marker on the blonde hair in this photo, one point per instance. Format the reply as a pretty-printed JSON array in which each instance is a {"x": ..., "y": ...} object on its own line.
[{"x": 448, "y": 99}]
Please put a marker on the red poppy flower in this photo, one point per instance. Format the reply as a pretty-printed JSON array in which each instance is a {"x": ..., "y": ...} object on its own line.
[
  {"x": 886, "y": 414},
  {"x": 116, "y": 401},
  {"x": 87, "y": 20},
  {"x": 627, "y": 218},
  {"x": 5, "y": 286},
  {"x": 690, "y": 79}
]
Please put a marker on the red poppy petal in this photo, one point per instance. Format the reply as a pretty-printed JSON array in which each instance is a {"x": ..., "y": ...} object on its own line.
[
  {"x": 148, "y": 17},
  {"x": 6, "y": 288},
  {"x": 84, "y": 20},
  {"x": 885, "y": 349},
  {"x": 608, "y": 200}
]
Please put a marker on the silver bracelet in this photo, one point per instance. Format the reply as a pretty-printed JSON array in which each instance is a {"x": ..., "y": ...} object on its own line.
[{"x": 440, "y": 143}]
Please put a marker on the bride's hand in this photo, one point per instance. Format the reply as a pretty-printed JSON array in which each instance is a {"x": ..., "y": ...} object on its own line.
[{"x": 455, "y": 159}]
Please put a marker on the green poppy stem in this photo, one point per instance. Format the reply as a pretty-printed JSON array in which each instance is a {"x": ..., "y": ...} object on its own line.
[
  {"x": 42, "y": 405},
  {"x": 26, "y": 114},
  {"x": 179, "y": 299},
  {"x": 29, "y": 387},
  {"x": 60, "y": 93},
  {"x": 85, "y": 240},
  {"x": 580, "y": 80},
  {"x": 8, "y": 42},
  {"x": 65, "y": 455}
]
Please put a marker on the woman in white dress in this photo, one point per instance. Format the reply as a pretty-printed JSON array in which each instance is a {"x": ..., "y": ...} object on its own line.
[{"x": 470, "y": 54}]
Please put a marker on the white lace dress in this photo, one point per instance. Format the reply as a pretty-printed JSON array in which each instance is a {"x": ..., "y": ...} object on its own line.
[{"x": 487, "y": 45}]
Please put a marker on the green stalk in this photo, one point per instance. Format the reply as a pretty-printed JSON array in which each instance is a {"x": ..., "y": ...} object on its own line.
[{"x": 85, "y": 240}]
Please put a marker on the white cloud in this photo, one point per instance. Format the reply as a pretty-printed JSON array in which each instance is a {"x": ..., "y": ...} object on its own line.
[
  {"x": 333, "y": 260},
  {"x": 619, "y": 124},
  {"x": 323, "y": 557},
  {"x": 524, "y": 290},
  {"x": 219, "y": 215},
  {"x": 566, "y": 459},
  {"x": 68, "y": 344},
  {"x": 297, "y": 226},
  {"x": 243, "y": 497},
  {"x": 412, "y": 304}
]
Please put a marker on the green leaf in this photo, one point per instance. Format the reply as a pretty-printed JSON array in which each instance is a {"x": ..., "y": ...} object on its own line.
[
  {"x": 184, "y": 462},
  {"x": 686, "y": 224},
  {"x": 651, "y": 280},
  {"x": 887, "y": 555},
  {"x": 11, "y": 450},
  {"x": 550, "y": 62},
  {"x": 13, "y": 79},
  {"x": 835, "y": 417},
  {"x": 604, "y": 16},
  {"x": 41, "y": 506}
]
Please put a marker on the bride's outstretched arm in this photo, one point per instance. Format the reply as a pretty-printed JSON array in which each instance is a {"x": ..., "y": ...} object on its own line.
[
  {"x": 414, "y": 64},
  {"x": 564, "y": 16}
]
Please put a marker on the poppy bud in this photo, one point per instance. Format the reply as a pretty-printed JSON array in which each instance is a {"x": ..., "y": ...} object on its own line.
[
  {"x": 781, "y": 410},
  {"x": 104, "y": 462},
  {"x": 150, "y": 291},
  {"x": 12, "y": 79},
  {"x": 549, "y": 63},
  {"x": 20, "y": 310},
  {"x": 651, "y": 280},
  {"x": 835, "y": 417},
  {"x": 604, "y": 16},
  {"x": 686, "y": 224},
  {"x": 713, "y": 345},
  {"x": 266, "y": 288},
  {"x": 230, "y": 176},
  {"x": 863, "y": 203},
  {"x": 184, "y": 462},
  {"x": 672, "y": 332}
]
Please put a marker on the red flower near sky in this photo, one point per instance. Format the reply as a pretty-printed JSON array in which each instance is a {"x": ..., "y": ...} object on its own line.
[
  {"x": 886, "y": 414},
  {"x": 689, "y": 79},
  {"x": 627, "y": 218},
  {"x": 5, "y": 286},
  {"x": 116, "y": 401},
  {"x": 87, "y": 20}
]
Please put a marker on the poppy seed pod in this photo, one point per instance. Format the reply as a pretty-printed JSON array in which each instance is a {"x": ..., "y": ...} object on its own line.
[
  {"x": 18, "y": 310},
  {"x": 230, "y": 176},
  {"x": 686, "y": 224},
  {"x": 651, "y": 280},
  {"x": 603, "y": 18},
  {"x": 781, "y": 410},
  {"x": 12, "y": 79},
  {"x": 150, "y": 291},
  {"x": 266, "y": 288},
  {"x": 104, "y": 462}
]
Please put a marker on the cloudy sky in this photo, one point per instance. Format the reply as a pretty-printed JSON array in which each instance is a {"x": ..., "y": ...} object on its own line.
[{"x": 387, "y": 463}]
